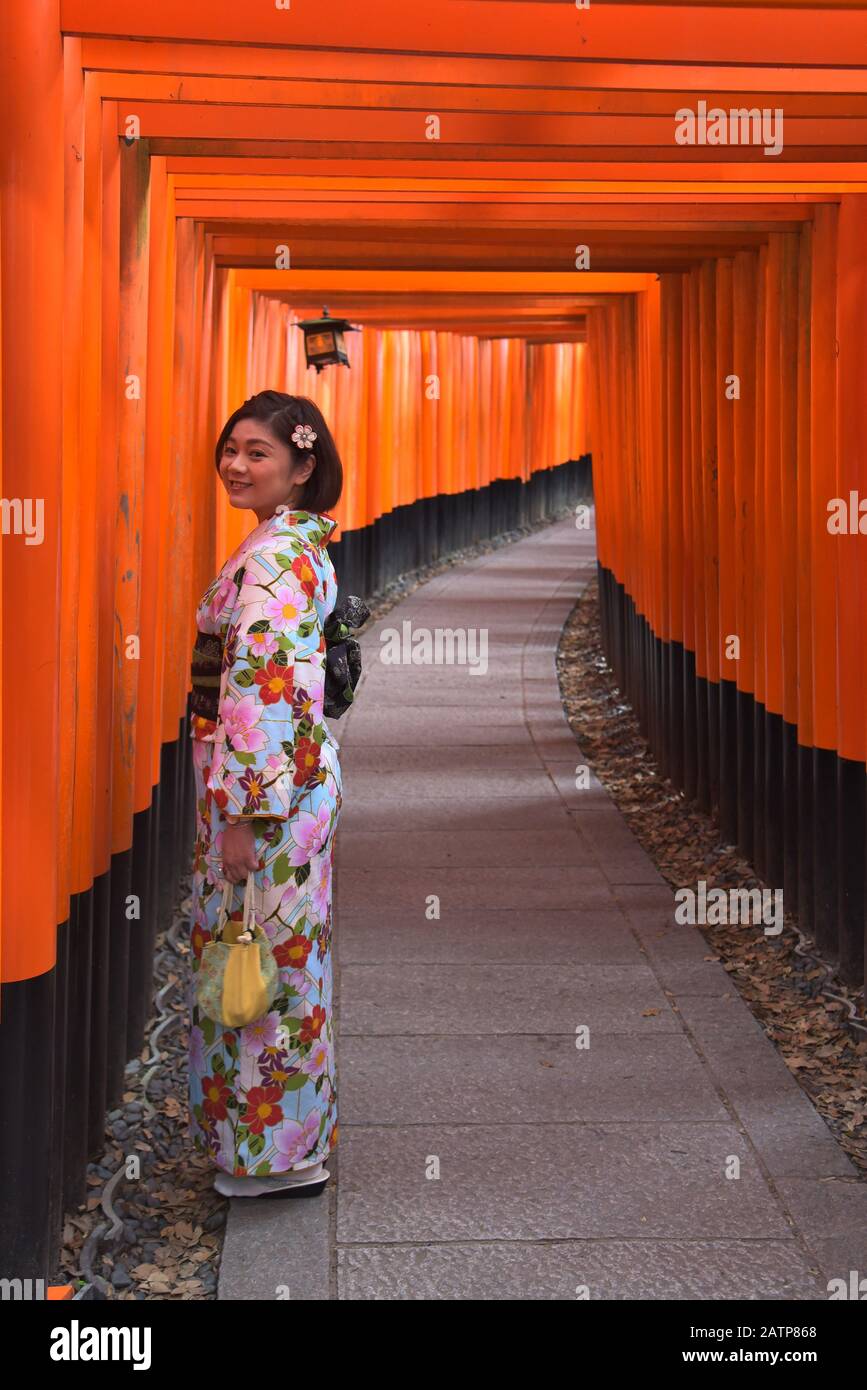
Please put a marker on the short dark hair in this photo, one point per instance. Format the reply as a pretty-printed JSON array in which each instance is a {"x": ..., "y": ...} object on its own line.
[{"x": 282, "y": 413}]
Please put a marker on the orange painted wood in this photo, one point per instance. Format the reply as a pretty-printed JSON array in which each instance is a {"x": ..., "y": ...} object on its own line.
[
  {"x": 106, "y": 468},
  {"x": 726, "y": 512},
  {"x": 31, "y": 272},
  {"x": 370, "y": 67},
  {"x": 630, "y": 32},
  {"x": 70, "y": 497},
  {"x": 154, "y": 511},
  {"x": 788, "y": 485},
  {"x": 672, "y": 527},
  {"x": 852, "y": 473},
  {"x": 130, "y": 365},
  {"x": 770, "y": 481},
  {"x": 710, "y": 393},
  {"x": 756, "y": 485}
]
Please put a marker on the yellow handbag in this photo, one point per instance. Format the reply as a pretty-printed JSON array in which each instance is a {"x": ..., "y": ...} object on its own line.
[{"x": 238, "y": 975}]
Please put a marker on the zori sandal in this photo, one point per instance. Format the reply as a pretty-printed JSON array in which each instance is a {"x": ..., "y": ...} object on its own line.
[{"x": 278, "y": 1185}]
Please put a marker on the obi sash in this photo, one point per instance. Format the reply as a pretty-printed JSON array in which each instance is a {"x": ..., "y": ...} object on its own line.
[{"x": 206, "y": 667}]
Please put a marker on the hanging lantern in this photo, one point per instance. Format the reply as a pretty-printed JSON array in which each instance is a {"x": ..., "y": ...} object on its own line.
[{"x": 323, "y": 340}]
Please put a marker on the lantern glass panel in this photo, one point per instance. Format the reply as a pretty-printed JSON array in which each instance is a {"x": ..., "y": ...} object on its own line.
[{"x": 320, "y": 342}]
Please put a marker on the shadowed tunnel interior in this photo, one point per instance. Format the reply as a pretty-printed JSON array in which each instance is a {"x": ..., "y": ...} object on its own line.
[{"x": 631, "y": 235}]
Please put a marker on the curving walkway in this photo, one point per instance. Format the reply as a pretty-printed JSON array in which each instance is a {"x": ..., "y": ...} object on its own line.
[{"x": 559, "y": 1167}]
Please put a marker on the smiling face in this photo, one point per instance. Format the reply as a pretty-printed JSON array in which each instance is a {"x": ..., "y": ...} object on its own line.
[{"x": 261, "y": 472}]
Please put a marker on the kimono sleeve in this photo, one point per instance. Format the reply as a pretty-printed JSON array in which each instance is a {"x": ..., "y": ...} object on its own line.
[{"x": 266, "y": 713}]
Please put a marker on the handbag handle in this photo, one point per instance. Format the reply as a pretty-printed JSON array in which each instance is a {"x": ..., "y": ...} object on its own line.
[{"x": 228, "y": 892}]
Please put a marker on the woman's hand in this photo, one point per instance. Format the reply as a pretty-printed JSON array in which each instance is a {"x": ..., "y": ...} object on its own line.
[{"x": 239, "y": 851}]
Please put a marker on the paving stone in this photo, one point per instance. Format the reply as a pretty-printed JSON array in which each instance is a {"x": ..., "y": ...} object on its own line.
[
  {"x": 790, "y": 1136},
  {"x": 551, "y": 1182},
  {"x": 450, "y": 849},
  {"x": 593, "y": 799},
  {"x": 495, "y": 998},
  {"x": 279, "y": 1249},
  {"x": 828, "y": 1206},
  {"x": 721, "y": 1019},
  {"x": 673, "y": 944},
  {"x": 412, "y": 726},
  {"x": 476, "y": 694},
  {"x": 648, "y": 903},
  {"x": 577, "y": 799},
  {"x": 839, "y": 1257},
  {"x": 785, "y": 1128},
  {"x": 643, "y": 1270},
  {"x": 554, "y": 744},
  {"x": 363, "y": 811},
  {"x": 461, "y": 888},
  {"x": 628, "y": 868},
  {"x": 528, "y": 1079},
  {"x": 455, "y": 784},
  {"x": 563, "y": 937},
  {"x": 692, "y": 977},
  {"x": 511, "y": 752},
  {"x": 463, "y": 683}
]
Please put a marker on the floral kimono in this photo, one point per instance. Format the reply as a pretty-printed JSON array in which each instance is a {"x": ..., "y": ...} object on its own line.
[{"x": 263, "y": 1098}]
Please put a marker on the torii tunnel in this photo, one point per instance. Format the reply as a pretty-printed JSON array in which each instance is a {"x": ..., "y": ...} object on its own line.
[{"x": 626, "y": 236}]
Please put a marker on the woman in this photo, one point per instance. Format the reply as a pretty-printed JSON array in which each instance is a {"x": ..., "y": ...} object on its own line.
[{"x": 263, "y": 1097}]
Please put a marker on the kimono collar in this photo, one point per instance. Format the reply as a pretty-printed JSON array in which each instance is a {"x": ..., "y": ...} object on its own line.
[{"x": 317, "y": 527}]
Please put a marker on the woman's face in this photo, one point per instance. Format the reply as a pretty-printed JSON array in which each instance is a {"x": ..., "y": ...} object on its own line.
[{"x": 259, "y": 471}]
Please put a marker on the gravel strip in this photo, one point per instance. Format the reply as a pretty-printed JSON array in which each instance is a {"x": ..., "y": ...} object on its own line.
[{"x": 168, "y": 1221}]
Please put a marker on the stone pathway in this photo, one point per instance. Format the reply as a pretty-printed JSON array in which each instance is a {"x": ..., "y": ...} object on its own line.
[{"x": 542, "y": 1091}]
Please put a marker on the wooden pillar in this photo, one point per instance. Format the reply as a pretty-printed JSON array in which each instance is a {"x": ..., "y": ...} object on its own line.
[
  {"x": 851, "y": 580},
  {"x": 31, "y": 291}
]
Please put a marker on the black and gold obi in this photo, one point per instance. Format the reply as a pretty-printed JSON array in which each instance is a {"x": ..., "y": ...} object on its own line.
[{"x": 206, "y": 667}]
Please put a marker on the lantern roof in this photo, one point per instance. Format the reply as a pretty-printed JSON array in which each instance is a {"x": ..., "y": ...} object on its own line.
[{"x": 328, "y": 322}]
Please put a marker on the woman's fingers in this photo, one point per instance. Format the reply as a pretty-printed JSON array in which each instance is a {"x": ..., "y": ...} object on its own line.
[
  {"x": 239, "y": 853},
  {"x": 237, "y": 870}
]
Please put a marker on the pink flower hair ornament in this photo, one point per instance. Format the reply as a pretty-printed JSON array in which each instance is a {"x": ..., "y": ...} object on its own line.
[{"x": 303, "y": 436}]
